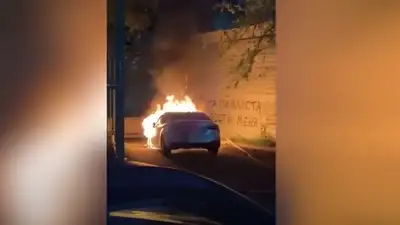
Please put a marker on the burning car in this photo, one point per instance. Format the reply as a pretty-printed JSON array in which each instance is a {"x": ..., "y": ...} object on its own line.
[{"x": 178, "y": 124}]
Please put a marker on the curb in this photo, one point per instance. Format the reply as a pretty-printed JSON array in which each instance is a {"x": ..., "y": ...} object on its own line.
[{"x": 250, "y": 147}]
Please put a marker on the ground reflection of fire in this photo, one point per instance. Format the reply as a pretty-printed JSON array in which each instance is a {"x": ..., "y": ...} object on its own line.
[{"x": 171, "y": 105}]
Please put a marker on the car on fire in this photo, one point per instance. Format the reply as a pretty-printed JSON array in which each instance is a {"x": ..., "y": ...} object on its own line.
[{"x": 186, "y": 130}]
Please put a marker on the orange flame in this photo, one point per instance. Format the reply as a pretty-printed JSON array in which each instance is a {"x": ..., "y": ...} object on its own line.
[{"x": 171, "y": 105}]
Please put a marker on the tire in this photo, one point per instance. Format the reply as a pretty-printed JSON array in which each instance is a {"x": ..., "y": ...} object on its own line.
[
  {"x": 164, "y": 148},
  {"x": 213, "y": 150}
]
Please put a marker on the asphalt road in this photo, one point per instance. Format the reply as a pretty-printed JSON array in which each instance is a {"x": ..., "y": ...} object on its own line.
[{"x": 251, "y": 172}]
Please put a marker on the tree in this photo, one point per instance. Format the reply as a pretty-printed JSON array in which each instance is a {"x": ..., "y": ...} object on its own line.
[
  {"x": 255, "y": 23},
  {"x": 138, "y": 18}
]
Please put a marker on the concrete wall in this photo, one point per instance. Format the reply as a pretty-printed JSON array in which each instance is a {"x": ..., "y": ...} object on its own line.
[
  {"x": 133, "y": 126},
  {"x": 246, "y": 113}
]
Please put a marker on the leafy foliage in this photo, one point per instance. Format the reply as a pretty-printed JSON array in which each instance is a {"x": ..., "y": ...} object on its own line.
[
  {"x": 255, "y": 23},
  {"x": 138, "y": 18}
]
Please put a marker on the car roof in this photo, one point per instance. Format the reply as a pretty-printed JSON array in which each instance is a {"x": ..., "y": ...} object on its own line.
[
  {"x": 180, "y": 113},
  {"x": 183, "y": 115}
]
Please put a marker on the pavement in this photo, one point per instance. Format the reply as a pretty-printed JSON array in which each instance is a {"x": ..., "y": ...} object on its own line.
[{"x": 249, "y": 171}]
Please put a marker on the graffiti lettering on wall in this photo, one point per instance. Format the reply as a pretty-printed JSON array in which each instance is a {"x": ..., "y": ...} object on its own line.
[
  {"x": 225, "y": 119},
  {"x": 247, "y": 121},
  {"x": 264, "y": 131},
  {"x": 234, "y": 104},
  {"x": 221, "y": 118}
]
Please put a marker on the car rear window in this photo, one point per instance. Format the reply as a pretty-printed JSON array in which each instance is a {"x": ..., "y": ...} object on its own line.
[{"x": 187, "y": 116}]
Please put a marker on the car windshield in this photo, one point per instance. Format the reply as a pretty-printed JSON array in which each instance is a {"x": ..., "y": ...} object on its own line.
[
  {"x": 165, "y": 210},
  {"x": 186, "y": 116}
]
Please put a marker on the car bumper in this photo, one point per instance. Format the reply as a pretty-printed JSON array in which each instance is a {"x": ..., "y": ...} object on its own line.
[{"x": 209, "y": 144}]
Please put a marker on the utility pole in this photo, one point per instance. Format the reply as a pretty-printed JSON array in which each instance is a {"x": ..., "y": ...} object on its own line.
[{"x": 120, "y": 74}]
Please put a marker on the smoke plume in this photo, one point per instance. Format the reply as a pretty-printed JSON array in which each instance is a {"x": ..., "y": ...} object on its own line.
[{"x": 180, "y": 58}]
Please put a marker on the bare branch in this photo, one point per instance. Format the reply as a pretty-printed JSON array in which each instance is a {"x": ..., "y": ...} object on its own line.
[{"x": 252, "y": 26}]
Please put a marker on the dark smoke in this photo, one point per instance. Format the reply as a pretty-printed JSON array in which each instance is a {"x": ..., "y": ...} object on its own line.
[{"x": 179, "y": 56}]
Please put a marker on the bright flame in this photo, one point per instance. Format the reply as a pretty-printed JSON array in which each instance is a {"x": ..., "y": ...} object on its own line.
[{"x": 171, "y": 105}]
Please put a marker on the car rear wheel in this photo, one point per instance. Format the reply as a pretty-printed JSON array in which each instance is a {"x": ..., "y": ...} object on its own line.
[
  {"x": 213, "y": 150},
  {"x": 164, "y": 148}
]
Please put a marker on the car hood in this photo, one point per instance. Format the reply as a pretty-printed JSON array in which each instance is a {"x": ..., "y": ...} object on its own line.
[
  {"x": 159, "y": 216},
  {"x": 154, "y": 177},
  {"x": 145, "y": 193}
]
